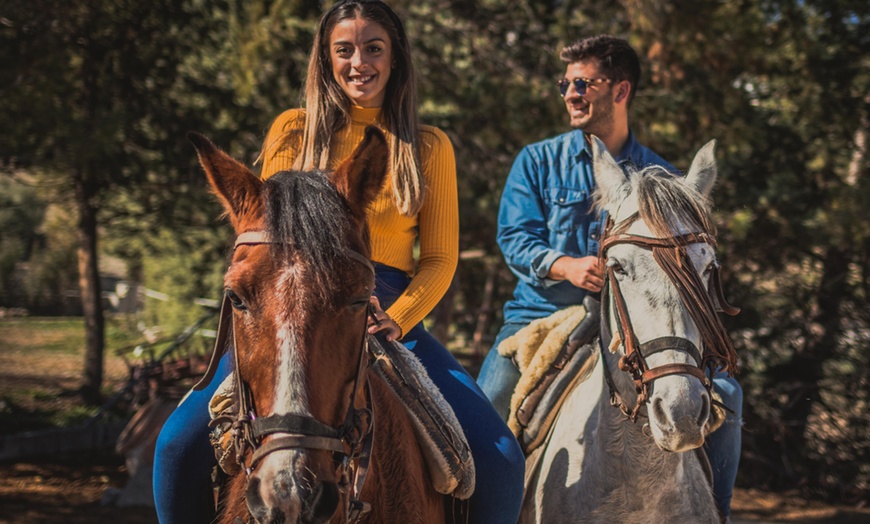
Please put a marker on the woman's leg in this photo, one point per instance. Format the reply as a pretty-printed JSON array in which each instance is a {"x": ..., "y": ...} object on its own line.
[
  {"x": 183, "y": 458},
  {"x": 723, "y": 446},
  {"x": 498, "y": 459}
]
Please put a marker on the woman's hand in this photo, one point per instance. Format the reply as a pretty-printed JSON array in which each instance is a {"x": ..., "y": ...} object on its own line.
[{"x": 382, "y": 322}]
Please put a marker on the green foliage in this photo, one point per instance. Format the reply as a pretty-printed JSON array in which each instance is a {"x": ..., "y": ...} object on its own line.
[
  {"x": 21, "y": 213},
  {"x": 184, "y": 268}
]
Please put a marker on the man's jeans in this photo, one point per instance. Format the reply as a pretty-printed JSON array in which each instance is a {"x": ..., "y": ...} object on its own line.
[{"x": 499, "y": 376}]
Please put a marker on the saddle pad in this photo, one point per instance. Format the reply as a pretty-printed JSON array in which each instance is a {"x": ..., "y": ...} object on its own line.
[
  {"x": 534, "y": 349},
  {"x": 442, "y": 441}
]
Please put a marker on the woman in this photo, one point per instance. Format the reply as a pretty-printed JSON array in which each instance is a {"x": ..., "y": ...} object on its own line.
[{"x": 360, "y": 73}]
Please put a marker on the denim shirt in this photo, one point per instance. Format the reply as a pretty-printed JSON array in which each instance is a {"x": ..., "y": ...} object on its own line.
[{"x": 546, "y": 213}]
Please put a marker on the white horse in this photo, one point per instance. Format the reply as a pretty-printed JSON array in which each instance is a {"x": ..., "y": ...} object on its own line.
[{"x": 598, "y": 465}]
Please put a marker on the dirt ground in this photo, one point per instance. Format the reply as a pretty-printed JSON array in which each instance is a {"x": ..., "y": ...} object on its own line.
[{"x": 71, "y": 491}]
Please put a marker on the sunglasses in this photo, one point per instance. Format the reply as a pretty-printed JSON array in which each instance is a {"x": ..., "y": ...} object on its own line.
[{"x": 580, "y": 84}]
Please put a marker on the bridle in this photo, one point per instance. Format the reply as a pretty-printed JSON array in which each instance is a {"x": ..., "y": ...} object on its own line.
[
  {"x": 670, "y": 254},
  {"x": 350, "y": 443}
]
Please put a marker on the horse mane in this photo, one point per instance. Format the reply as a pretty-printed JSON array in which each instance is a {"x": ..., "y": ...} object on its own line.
[
  {"x": 307, "y": 216},
  {"x": 668, "y": 206}
]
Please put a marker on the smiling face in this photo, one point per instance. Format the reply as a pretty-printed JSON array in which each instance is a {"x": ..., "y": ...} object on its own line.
[
  {"x": 593, "y": 112},
  {"x": 361, "y": 56}
]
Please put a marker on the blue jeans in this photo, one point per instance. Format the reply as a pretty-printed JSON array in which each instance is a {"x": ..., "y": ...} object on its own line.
[
  {"x": 183, "y": 458},
  {"x": 723, "y": 446},
  {"x": 499, "y": 376},
  {"x": 184, "y": 455}
]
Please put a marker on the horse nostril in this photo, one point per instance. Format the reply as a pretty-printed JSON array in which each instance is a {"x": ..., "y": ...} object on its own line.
[
  {"x": 255, "y": 502},
  {"x": 322, "y": 503},
  {"x": 658, "y": 410},
  {"x": 705, "y": 409}
]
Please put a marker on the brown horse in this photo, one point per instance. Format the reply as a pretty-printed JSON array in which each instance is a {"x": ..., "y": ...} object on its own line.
[{"x": 312, "y": 426}]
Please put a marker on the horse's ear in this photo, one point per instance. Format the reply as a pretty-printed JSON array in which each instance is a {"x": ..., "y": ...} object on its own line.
[
  {"x": 702, "y": 174},
  {"x": 612, "y": 184},
  {"x": 360, "y": 177},
  {"x": 236, "y": 186}
]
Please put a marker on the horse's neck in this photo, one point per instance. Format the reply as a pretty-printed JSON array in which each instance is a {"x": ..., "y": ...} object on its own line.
[
  {"x": 623, "y": 442},
  {"x": 643, "y": 473},
  {"x": 397, "y": 465}
]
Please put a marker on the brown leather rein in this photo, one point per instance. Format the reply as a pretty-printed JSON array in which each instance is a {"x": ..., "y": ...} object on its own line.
[
  {"x": 351, "y": 441},
  {"x": 703, "y": 305}
]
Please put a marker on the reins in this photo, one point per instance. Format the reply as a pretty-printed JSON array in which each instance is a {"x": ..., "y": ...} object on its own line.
[
  {"x": 670, "y": 254},
  {"x": 351, "y": 442}
]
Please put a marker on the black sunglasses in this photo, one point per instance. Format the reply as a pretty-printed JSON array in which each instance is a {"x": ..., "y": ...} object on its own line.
[{"x": 580, "y": 84}]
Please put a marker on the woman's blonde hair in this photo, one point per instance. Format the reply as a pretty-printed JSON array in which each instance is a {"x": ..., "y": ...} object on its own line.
[{"x": 327, "y": 106}]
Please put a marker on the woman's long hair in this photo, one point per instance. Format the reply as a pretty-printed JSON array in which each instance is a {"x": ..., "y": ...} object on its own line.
[{"x": 327, "y": 106}]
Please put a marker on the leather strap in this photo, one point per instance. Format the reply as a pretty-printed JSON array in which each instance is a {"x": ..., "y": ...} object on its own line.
[
  {"x": 296, "y": 442},
  {"x": 291, "y": 423},
  {"x": 256, "y": 237}
]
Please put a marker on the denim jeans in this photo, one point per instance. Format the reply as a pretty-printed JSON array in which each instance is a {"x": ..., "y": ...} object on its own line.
[
  {"x": 184, "y": 456},
  {"x": 499, "y": 376},
  {"x": 723, "y": 446}
]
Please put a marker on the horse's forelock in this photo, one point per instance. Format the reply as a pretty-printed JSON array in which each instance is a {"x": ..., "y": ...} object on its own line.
[
  {"x": 305, "y": 214},
  {"x": 668, "y": 206}
]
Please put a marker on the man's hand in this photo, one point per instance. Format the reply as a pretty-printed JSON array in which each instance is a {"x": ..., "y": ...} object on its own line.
[{"x": 585, "y": 272}]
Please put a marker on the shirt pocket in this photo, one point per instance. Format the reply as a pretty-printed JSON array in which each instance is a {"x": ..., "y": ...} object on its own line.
[{"x": 570, "y": 208}]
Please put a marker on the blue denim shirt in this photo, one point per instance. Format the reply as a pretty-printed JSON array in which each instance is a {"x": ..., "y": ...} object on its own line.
[{"x": 546, "y": 212}]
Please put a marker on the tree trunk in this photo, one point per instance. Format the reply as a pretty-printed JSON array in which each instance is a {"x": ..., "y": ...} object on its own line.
[
  {"x": 89, "y": 285},
  {"x": 807, "y": 366}
]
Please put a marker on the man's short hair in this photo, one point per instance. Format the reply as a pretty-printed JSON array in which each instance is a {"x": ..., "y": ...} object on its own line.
[{"x": 616, "y": 58}]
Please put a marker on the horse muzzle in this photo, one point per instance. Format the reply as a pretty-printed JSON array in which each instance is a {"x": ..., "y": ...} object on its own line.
[
  {"x": 285, "y": 489},
  {"x": 678, "y": 414}
]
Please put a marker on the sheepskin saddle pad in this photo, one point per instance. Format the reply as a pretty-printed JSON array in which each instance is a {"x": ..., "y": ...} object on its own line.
[
  {"x": 441, "y": 438},
  {"x": 553, "y": 354}
]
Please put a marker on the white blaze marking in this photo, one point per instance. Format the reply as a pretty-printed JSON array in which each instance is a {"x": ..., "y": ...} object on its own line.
[{"x": 290, "y": 396}]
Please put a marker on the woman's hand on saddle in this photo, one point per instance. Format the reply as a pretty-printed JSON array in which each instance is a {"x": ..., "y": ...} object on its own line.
[
  {"x": 583, "y": 272},
  {"x": 379, "y": 321}
]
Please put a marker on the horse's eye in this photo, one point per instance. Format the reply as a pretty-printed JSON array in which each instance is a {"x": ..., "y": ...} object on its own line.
[
  {"x": 710, "y": 267},
  {"x": 616, "y": 267},
  {"x": 235, "y": 300},
  {"x": 360, "y": 303}
]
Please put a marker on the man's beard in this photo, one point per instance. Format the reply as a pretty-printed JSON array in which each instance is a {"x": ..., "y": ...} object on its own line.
[{"x": 601, "y": 122}]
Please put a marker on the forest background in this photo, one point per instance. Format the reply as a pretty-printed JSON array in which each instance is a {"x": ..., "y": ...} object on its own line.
[{"x": 96, "y": 98}]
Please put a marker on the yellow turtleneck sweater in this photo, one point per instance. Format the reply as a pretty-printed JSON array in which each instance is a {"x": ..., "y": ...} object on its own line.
[{"x": 393, "y": 234}]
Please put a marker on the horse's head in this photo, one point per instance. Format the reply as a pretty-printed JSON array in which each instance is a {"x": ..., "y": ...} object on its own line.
[
  {"x": 660, "y": 262},
  {"x": 299, "y": 283}
]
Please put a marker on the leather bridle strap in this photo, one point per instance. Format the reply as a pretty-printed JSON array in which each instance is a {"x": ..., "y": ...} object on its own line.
[
  {"x": 295, "y": 442},
  {"x": 291, "y": 423},
  {"x": 651, "y": 242},
  {"x": 249, "y": 238},
  {"x": 225, "y": 322}
]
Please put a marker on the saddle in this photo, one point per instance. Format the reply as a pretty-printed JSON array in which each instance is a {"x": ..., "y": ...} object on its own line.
[
  {"x": 442, "y": 442},
  {"x": 554, "y": 355}
]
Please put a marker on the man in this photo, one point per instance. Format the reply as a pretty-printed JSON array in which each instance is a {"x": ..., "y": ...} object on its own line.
[{"x": 550, "y": 237}]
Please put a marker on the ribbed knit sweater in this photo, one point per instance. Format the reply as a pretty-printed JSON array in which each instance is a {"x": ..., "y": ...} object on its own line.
[{"x": 393, "y": 234}]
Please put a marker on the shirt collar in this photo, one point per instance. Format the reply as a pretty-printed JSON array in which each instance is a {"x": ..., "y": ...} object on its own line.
[{"x": 630, "y": 150}]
